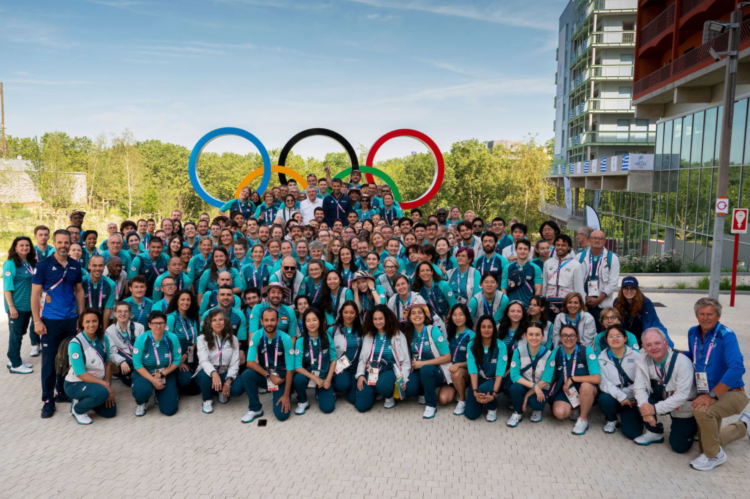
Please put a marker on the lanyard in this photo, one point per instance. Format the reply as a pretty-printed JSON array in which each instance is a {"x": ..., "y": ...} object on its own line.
[
  {"x": 458, "y": 278},
  {"x": 708, "y": 354},
  {"x": 91, "y": 298},
  {"x": 389, "y": 214},
  {"x": 617, "y": 362},
  {"x": 358, "y": 343},
  {"x": 575, "y": 321},
  {"x": 239, "y": 207},
  {"x": 153, "y": 265},
  {"x": 93, "y": 347},
  {"x": 254, "y": 271},
  {"x": 124, "y": 337},
  {"x": 65, "y": 272},
  {"x": 191, "y": 336},
  {"x": 598, "y": 264},
  {"x": 221, "y": 348},
  {"x": 372, "y": 354},
  {"x": 268, "y": 211},
  {"x": 156, "y": 352},
  {"x": 461, "y": 340},
  {"x": 565, "y": 364},
  {"x": 335, "y": 301},
  {"x": 661, "y": 373},
  {"x": 430, "y": 293},
  {"x": 421, "y": 345},
  {"x": 317, "y": 290},
  {"x": 276, "y": 347},
  {"x": 312, "y": 354},
  {"x": 140, "y": 313},
  {"x": 487, "y": 307},
  {"x": 401, "y": 307},
  {"x": 338, "y": 205},
  {"x": 492, "y": 263},
  {"x": 558, "y": 269},
  {"x": 28, "y": 267},
  {"x": 539, "y": 353}
]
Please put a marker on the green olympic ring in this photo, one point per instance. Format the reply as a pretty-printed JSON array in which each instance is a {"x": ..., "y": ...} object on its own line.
[{"x": 378, "y": 173}]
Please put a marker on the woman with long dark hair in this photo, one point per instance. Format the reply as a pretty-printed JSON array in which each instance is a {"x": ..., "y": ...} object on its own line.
[
  {"x": 458, "y": 333},
  {"x": 347, "y": 337},
  {"x": 526, "y": 372},
  {"x": 538, "y": 315},
  {"x": 486, "y": 362},
  {"x": 17, "y": 273},
  {"x": 346, "y": 266},
  {"x": 314, "y": 363},
  {"x": 88, "y": 380},
  {"x": 313, "y": 283},
  {"x": 218, "y": 360},
  {"x": 403, "y": 298},
  {"x": 184, "y": 322},
  {"x": 174, "y": 247},
  {"x": 637, "y": 310},
  {"x": 219, "y": 263},
  {"x": 384, "y": 361},
  {"x": 430, "y": 358},
  {"x": 333, "y": 295},
  {"x": 434, "y": 289},
  {"x": 573, "y": 311}
]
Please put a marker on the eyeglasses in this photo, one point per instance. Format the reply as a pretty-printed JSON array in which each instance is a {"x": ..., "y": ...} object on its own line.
[
  {"x": 568, "y": 336},
  {"x": 163, "y": 285},
  {"x": 617, "y": 336},
  {"x": 159, "y": 324},
  {"x": 290, "y": 268}
]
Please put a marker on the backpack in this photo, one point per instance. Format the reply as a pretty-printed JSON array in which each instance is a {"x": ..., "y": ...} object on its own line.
[
  {"x": 62, "y": 361},
  {"x": 609, "y": 257}
]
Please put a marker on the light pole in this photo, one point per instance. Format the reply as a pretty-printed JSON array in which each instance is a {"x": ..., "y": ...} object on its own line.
[{"x": 730, "y": 83}]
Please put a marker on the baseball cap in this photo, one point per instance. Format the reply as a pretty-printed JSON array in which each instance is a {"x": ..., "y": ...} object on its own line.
[{"x": 630, "y": 281}]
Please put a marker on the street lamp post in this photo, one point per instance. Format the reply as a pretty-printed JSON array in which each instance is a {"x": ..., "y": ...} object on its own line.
[{"x": 730, "y": 83}]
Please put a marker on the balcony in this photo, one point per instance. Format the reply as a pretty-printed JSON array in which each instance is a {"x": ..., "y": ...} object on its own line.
[
  {"x": 658, "y": 76},
  {"x": 700, "y": 54},
  {"x": 612, "y": 72},
  {"x": 614, "y": 138},
  {"x": 615, "y": 6},
  {"x": 659, "y": 25},
  {"x": 629, "y": 172},
  {"x": 612, "y": 39},
  {"x": 610, "y": 105}
]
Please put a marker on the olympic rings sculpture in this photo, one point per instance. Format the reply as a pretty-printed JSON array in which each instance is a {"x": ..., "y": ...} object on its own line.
[{"x": 282, "y": 170}]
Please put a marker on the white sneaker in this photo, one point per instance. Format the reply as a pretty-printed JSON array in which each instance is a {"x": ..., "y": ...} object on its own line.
[
  {"x": 745, "y": 418},
  {"x": 301, "y": 408},
  {"x": 649, "y": 438},
  {"x": 536, "y": 416},
  {"x": 581, "y": 426},
  {"x": 83, "y": 419},
  {"x": 262, "y": 390},
  {"x": 460, "y": 408},
  {"x": 36, "y": 351},
  {"x": 22, "y": 369},
  {"x": 699, "y": 461},
  {"x": 491, "y": 416},
  {"x": 251, "y": 415},
  {"x": 514, "y": 419},
  {"x": 574, "y": 414},
  {"x": 610, "y": 427},
  {"x": 422, "y": 400},
  {"x": 208, "y": 406},
  {"x": 429, "y": 412},
  {"x": 710, "y": 462},
  {"x": 140, "y": 410},
  {"x": 390, "y": 403}
]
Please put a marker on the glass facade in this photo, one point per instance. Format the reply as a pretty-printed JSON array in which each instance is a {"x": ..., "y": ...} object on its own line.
[{"x": 678, "y": 214}]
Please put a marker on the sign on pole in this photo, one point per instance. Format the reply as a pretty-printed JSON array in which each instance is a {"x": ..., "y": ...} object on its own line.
[
  {"x": 739, "y": 226},
  {"x": 722, "y": 206}
]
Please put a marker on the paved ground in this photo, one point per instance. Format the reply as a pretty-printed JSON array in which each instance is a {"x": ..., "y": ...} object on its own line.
[{"x": 383, "y": 453}]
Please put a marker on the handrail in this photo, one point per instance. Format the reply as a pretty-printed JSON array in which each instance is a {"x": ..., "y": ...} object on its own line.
[{"x": 658, "y": 25}]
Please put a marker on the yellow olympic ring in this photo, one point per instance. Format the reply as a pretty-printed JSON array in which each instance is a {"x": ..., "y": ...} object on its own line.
[{"x": 301, "y": 182}]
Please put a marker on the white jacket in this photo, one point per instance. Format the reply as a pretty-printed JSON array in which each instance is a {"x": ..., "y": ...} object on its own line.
[
  {"x": 611, "y": 382},
  {"x": 609, "y": 278},
  {"x": 436, "y": 353},
  {"x": 558, "y": 283},
  {"x": 120, "y": 346},
  {"x": 210, "y": 360},
  {"x": 680, "y": 390},
  {"x": 586, "y": 329},
  {"x": 476, "y": 246},
  {"x": 400, "y": 351},
  {"x": 397, "y": 308}
]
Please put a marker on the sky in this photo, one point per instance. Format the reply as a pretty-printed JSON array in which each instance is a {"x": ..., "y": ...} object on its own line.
[{"x": 175, "y": 70}]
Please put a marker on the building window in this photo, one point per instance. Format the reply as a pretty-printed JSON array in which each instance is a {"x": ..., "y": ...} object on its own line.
[
  {"x": 674, "y": 162},
  {"x": 687, "y": 135},
  {"x": 738, "y": 132},
  {"x": 659, "y": 145},
  {"x": 697, "y": 147},
  {"x": 709, "y": 137}
]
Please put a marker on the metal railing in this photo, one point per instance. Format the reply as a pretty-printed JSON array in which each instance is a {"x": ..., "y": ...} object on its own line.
[
  {"x": 621, "y": 137},
  {"x": 688, "y": 5},
  {"x": 615, "y": 5},
  {"x": 614, "y": 71},
  {"x": 613, "y": 38},
  {"x": 700, "y": 54},
  {"x": 660, "y": 24},
  {"x": 648, "y": 81},
  {"x": 610, "y": 104}
]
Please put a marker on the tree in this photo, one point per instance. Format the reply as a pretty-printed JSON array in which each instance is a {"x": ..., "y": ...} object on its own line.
[{"x": 48, "y": 172}]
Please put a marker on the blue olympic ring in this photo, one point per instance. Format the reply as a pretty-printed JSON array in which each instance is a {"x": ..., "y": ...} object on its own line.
[{"x": 205, "y": 140}]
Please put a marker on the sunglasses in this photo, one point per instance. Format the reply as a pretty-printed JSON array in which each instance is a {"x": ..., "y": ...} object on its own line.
[{"x": 290, "y": 268}]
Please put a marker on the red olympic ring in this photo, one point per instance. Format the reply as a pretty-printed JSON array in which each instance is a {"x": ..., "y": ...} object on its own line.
[{"x": 437, "y": 180}]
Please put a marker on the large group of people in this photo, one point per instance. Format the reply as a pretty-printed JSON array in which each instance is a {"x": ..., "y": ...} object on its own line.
[{"x": 340, "y": 294}]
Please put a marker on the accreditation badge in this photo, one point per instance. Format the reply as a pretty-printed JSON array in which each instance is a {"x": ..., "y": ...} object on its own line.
[
  {"x": 573, "y": 397},
  {"x": 593, "y": 288},
  {"x": 701, "y": 382},
  {"x": 342, "y": 364},
  {"x": 311, "y": 383},
  {"x": 373, "y": 371},
  {"x": 272, "y": 387},
  {"x": 191, "y": 353}
]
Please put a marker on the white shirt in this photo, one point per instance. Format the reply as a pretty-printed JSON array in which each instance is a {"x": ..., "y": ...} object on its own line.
[{"x": 307, "y": 208}]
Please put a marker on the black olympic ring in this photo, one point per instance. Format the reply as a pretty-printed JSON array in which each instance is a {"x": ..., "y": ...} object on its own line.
[{"x": 316, "y": 132}]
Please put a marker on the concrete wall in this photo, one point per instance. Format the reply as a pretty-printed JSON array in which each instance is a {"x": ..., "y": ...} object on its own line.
[{"x": 17, "y": 187}]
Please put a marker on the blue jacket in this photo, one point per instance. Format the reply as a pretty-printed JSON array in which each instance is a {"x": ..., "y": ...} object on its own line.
[
  {"x": 725, "y": 365},
  {"x": 333, "y": 209},
  {"x": 643, "y": 320}
]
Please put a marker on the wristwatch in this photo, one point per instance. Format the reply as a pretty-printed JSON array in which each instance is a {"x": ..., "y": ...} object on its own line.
[{"x": 713, "y": 395}]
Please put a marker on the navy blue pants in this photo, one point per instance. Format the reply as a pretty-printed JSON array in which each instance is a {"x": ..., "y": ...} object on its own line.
[
  {"x": 186, "y": 383},
  {"x": 167, "y": 396},
  {"x": 204, "y": 381},
  {"x": 90, "y": 397},
  {"x": 57, "y": 330},
  {"x": 473, "y": 407},
  {"x": 18, "y": 328},
  {"x": 682, "y": 432},
  {"x": 517, "y": 392},
  {"x": 425, "y": 381},
  {"x": 251, "y": 380},
  {"x": 326, "y": 398},
  {"x": 346, "y": 382},
  {"x": 365, "y": 398},
  {"x": 611, "y": 408}
]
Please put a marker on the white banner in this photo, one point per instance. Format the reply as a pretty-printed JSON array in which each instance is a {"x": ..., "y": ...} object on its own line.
[
  {"x": 568, "y": 195},
  {"x": 613, "y": 163},
  {"x": 641, "y": 162},
  {"x": 594, "y": 165}
]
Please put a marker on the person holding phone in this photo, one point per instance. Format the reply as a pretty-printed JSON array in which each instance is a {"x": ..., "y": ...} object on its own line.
[
  {"x": 617, "y": 364},
  {"x": 156, "y": 357},
  {"x": 314, "y": 363},
  {"x": 572, "y": 373}
]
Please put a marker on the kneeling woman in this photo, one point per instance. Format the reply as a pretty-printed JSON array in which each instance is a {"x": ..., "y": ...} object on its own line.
[
  {"x": 487, "y": 360},
  {"x": 184, "y": 322},
  {"x": 573, "y": 373},
  {"x": 218, "y": 360},
  {"x": 459, "y": 334},
  {"x": 314, "y": 363},
  {"x": 88, "y": 380},
  {"x": 526, "y": 371},
  {"x": 156, "y": 357},
  {"x": 386, "y": 360},
  {"x": 347, "y": 337},
  {"x": 617, "y": 364},
  {"x": 430, "y": 359}
]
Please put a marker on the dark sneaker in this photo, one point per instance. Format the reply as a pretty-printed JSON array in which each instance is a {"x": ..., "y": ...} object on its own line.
[
  {"x": 48, "y": 410},
  {"x": 61, "y": 398}
]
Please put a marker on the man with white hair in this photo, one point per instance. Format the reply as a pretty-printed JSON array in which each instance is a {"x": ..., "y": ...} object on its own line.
[
  {"x": 307, "y": 207},
  {"x": 663, "y": 385},
  {"x": 601, "y": 274},
  {"x": 583, "y": 238},
  {"x": 719, "y": 368}
]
